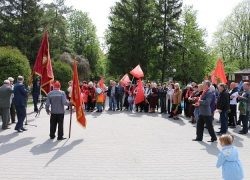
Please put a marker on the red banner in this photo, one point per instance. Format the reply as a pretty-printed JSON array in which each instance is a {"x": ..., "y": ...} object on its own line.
[
  {"x": 43, "y": 66},
  {"x": 139, "y": 93},
  {"x": 137, "y": 72},
  {"x": 220, "y": 73},
  {"x": 125, "y": 79},
  {"x": 213, "y": 78},
  {"x": 76, "y": 98}
]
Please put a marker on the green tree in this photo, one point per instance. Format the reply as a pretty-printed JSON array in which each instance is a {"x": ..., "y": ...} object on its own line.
[
  {"x": 20, "y": 26},
  {"x": 84, "y": 39},
  {"x": 13, "y": 63},
  {"x": 55, "y": 15},
  {"x": 131, "y": 36},
  {"x": 232, "y": 39},
  {"x": 169, "y": 12},
  {"x": 192, "y": 58},
  {"x": 62, "y": 73}
]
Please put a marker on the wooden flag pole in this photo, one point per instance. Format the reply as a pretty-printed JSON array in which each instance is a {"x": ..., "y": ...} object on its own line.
[{"x": 70, "y": 121}]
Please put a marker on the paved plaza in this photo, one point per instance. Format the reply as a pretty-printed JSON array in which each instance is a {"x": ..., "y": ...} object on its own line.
[{"x": 115, "y": 145}]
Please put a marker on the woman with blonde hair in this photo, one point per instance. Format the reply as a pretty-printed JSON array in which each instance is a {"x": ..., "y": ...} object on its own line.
[{"x": 176, "y": 108}]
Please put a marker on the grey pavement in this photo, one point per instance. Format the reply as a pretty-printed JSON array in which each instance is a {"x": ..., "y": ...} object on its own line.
[{"x": 115, "y": 145}]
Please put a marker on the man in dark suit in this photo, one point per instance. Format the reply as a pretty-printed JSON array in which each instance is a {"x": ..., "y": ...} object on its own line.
[
  {"x": 205, "y": 114},
  {"x": 20, "y": 101},
  {"x": 36, "y": 92},
  {"x": 119, "y": 97},
  {"x": 5, "y": 95},
  {"x": 223, "y": 106}
]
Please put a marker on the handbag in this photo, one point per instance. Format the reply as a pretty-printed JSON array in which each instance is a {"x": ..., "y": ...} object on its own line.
[{"x": 243, "y": 108}]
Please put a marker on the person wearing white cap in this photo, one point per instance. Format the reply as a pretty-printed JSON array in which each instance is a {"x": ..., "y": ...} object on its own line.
[
  {"x": 12, "y": 106},
  {"x": 5, "y": 93}
]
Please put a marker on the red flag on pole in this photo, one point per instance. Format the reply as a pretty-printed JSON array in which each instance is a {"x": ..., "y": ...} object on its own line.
[
  {"x": 43, "y": 66},
  {"x": 125, "y": 79},
  {"x": 213, "y": 78},
  {"x": 219, "y": 72},
  {"x": 140, "y": 93},
  {"x": 137, "y": 72},
  {"x": 76, "y": 98}
]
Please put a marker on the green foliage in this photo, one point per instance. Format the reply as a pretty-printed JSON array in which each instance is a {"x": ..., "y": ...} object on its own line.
[
  {"x": 232, "y": 39},
  {"x": 62, "y": 73},
  {"x": 13, "y": 63},
  {"x": 82, "y": 32}
]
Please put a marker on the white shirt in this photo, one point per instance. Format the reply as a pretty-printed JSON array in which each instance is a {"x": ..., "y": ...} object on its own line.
[
  {"x": 233, "y": 101},
  {"x": 70, "y": 91}
]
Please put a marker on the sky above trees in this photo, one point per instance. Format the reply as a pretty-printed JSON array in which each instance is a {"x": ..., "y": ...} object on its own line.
[{"x": 210, "y": 12}]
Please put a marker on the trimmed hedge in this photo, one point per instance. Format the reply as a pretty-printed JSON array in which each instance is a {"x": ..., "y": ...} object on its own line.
[
  {"x": 12, "y": 64},
  {"x": 62, "y": 73}
]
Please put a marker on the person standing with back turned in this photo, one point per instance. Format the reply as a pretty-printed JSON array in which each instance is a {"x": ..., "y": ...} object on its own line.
[{"x": 20, "y": 101}]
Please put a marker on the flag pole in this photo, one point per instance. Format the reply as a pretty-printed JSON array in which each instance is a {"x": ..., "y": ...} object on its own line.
[{"x": 70, "y": 121}]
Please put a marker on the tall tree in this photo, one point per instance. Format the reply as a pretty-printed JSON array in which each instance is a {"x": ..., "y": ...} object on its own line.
[
  {"x": 20, "y": 26},
  {"x": 55, "y": 15},
  {"x": 192, "y": 57},
  {"x": 131, "y": 36},
  {"x": 84, "y": 39},
  {"x": 169, "y": 12}
]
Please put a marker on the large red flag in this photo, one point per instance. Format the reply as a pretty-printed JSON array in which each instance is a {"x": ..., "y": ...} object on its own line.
[
  {"x": 140, "y": 93},
  {"x": 137, "y": 72},
  {"x": 76, "y": 98},
  {"x": 220, "y": 73},
  {"x": 213, "y": 78},
  {"x": 43, "y": 66},
  {"x": 125, "y": 79}
]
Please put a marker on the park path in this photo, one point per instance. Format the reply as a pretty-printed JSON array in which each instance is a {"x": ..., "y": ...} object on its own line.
[{"x": 115, "y": 145}]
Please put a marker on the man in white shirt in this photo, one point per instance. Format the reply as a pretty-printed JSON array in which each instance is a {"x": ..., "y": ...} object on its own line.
[
  {"x": 233, "y": 93},
  {"x": 12, "y": 106}
]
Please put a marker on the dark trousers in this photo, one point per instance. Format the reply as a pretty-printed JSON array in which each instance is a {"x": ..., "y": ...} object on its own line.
[
  {"x": 21, "y": 114},
  {"x": 169, "y": 110},
  {"x": 126, "y": 104},
  {"x": 200, "y": 127},
  {"x": 12, "y": 112},
  {"x": 245, "y": 119},
  {"x": 186, "y": 108},
  {"x": 54, "y": 120},
  {"x": 35, "y": 100},
  {"x": 5, "y": 117},
  {"x": 224, "y": 122},
  {"x": 119, "y": 101},
  {"x": 146, "y": 105},
  {"x": 232, "y": 115},
  {"x": 163, "y": 104}
]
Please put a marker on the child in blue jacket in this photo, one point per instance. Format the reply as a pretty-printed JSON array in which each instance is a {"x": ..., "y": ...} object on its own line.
[{"x": 229, "y": 160}]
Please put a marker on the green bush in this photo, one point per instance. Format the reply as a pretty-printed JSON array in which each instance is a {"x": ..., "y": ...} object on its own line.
[
  {"x": 12, "y": 64},
  {"x": 62, "y": 73}
]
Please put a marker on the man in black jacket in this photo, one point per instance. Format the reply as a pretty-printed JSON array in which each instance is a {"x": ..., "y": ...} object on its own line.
[
  {"x": 223, "y": 107},
  {"x": 163, "y": 95}
]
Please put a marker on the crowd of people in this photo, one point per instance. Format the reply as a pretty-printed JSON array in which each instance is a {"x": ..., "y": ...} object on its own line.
[{"x": 200, "y": 102}]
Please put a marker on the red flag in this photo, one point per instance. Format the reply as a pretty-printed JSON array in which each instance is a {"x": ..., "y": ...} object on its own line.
[
  {"x": 137, "y": 72},
  {"x": 76, "y": 98},
  {"x": 213, "y": 78},
  {"x": 140, "y": 93},
  {"x": 43, "y": 66},
  {"x": 220, "y": 73},
  {"x": 125, "y": 79}
]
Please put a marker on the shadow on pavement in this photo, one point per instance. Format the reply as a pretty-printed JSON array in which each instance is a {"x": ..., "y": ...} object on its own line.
[
  {"x": 45, "y": 147},
  {"x": 211, "y": 148},
  {"x": 6, "y": 148},
  {"x": 63, "y": 150},
  {"x": 6, "y": 138}
]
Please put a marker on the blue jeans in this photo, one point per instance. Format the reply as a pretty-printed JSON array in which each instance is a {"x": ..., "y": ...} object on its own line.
[
  {"x": 99, "y": 108},
  {"x": 112, "y": 103},
  {"x": 35, "y": 100},
  {"x": 131, "y": 106},
  {"x": 224, "y": 121},
  {"x": 196, "y": 113},
  {"x": 245, "y": 119}
]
